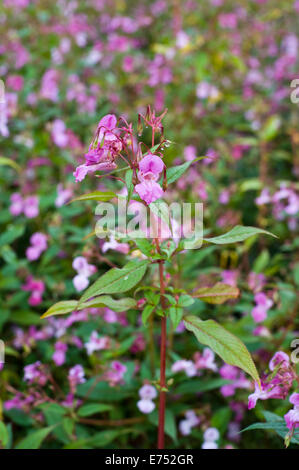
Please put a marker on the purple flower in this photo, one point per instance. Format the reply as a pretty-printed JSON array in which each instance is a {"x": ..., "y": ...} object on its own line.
[
  {"x": 96, "y": 344},
  {"x": 36, "y": 288}
]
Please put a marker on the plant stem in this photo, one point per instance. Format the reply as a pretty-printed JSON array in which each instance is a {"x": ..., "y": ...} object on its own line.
[{"x": 162, "y": 399}]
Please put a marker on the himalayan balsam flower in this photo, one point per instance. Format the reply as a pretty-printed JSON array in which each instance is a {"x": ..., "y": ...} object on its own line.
[
  {"x": 38, "y": 245},
  {"x": 292, "y": 416},
  {"x": 279, "y": 382},
  {"x": 103, "y": 150},
  {"x": 27, "y": 206},
  {"x": 36, "y": 288},
  {"x": 84, "y": 270},
  {"x": 259, "y": 312},
  {"x": 211, "y": 435},
  {"x": 34, "y": 373},
  {"x": 190, "y": 421},
  {"x": 96, "y": 344},
  {"x": 147, "y": 393},
  {"x": 76, "y": 376},
  {"x": 150, "y": 168},
  {"x": 59, "y": 354}
]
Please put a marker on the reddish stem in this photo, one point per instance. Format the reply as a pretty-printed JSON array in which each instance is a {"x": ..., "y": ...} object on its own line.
[{"x": 162, "y": 399}]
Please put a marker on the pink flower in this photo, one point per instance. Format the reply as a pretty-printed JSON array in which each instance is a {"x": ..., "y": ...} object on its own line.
[
  {"x": 84, "y": 271},
  {"x": 34, "y": 373},
  {"x": 206, "y": 360},
  {"x": 147, "y": 393},
  {"x": 116, "y": 374},
  {"x": 182, "y": 365},
  {"x": 38, "y": 245},
  {"x": 31, "y": 207},
  {"x": 59, "y": 354},
  {"x": 150, "y": 168},
  {"x": 259, "y": 312},
  {"x": 16, "y": 207},
  {"x": 190, "y": 421},
  {"x": 146, "y": 406},
  {"x": 36, "y": 288},
  {"x": 76, "y": 376},
  {"x": 96, "y": 344},
  {"x": 237, "y": 377},
  {"x": 114, "y": 245},
  {"x": 28, "y": 205},
  {"x": 292, "y": 417},
  {"x": 103, "y": 150},
  {"x": 230, "y": 277},
  {"x": 63, "y": 195}
]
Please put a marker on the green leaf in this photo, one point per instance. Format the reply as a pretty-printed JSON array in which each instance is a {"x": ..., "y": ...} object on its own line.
[
  {"x": 146, "y": 313},
  {"x": 60, "y": 308},
  {"x": 145, "y": 246},
  {"x": 223, "y": 343},
  {"x": 95, "y": 196},
  {"x": 11, "y": 234},
  {"x": 237, "y": 234},
  {"x": 93, "y": 408},
  {"x": 117, "y": 280},
  {"x": 185, "y": 301},
  {"x": 170, "y": 425},
  {"x": 270, "y": 129},
  {"x": 175, "y": 172},
  {"x": 120, "y": 305},
  {"x": 129, "y": 183},
  {"x": 67, "y": 306},
  {"x": 34, "y": 439},
  {"x": 176, "y": 315},
  {"x": 9, "y": 162},
  {"x": 218, "y": 294},
  {"x": 3, "y": 435}
]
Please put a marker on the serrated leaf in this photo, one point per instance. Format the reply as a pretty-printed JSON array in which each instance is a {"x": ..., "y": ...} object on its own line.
[
  {"x": 95, "y": 196},
  {"x": 34, "y": 439},
  {"x": 117, "y": 280},
  {"x": 237, "y": 234},
  {"x": 218, "y": 294},
  {"x": 223, "y": 343}
]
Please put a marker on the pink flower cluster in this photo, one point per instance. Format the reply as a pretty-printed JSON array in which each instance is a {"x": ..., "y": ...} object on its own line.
[
  {"x": 28, "y": 205},
  {"x": 59, "y": 354},
  {"x": 38, "y": 245},
  {"x": 36, "y": 287},
  {"x": 277, "y": 384},
  {"x": 206, "y": 360},
  {"x": 84, "y": 270},
  {"x": 103, "y": 150}
]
